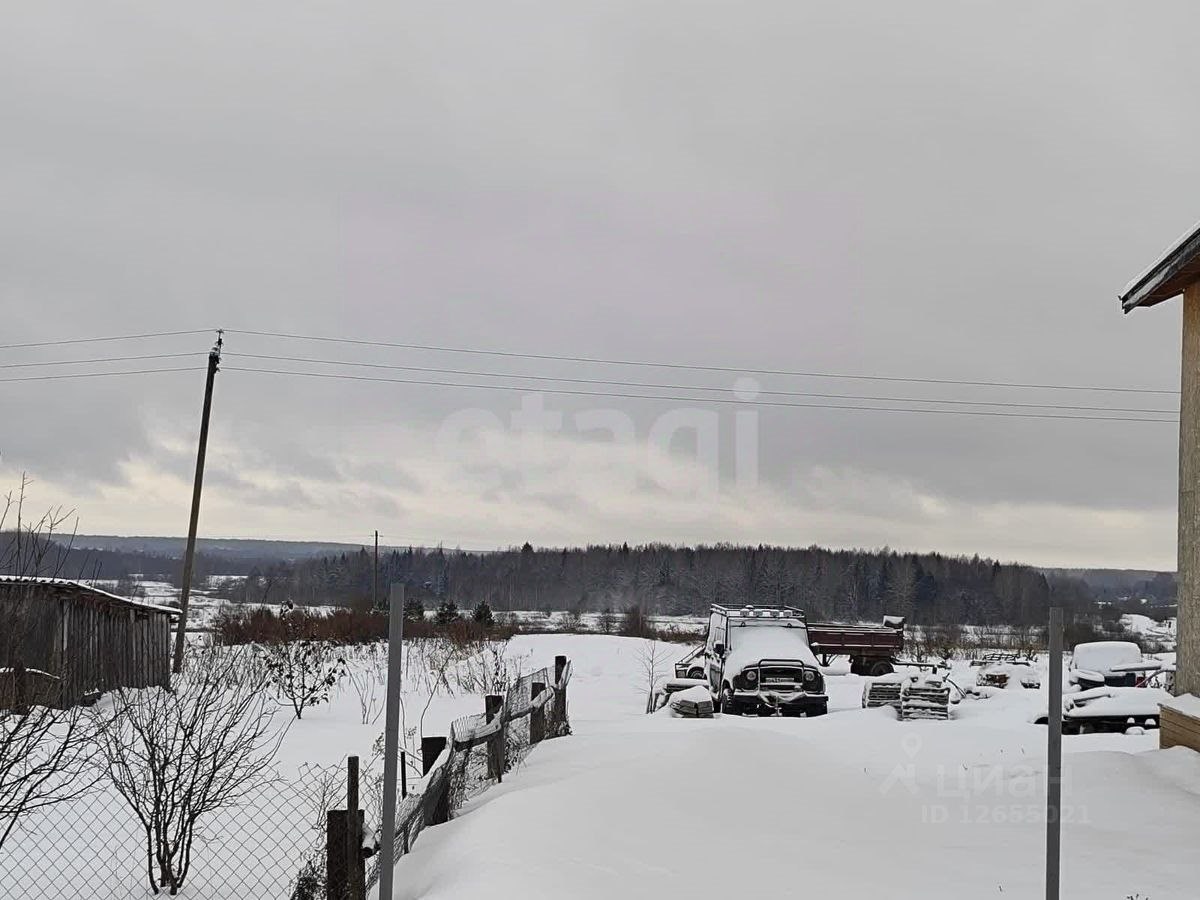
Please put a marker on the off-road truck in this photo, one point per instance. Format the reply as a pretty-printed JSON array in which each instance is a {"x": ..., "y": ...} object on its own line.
[{"x": 757, "y": 660}]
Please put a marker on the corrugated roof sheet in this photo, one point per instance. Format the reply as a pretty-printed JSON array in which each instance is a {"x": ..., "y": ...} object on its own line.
[{"x": 137, "y": 604}]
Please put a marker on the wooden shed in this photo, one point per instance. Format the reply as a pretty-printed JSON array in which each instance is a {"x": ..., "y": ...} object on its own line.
[
  {"x": 1177, "y": 272},
  {"x": 63, "y": 642}
]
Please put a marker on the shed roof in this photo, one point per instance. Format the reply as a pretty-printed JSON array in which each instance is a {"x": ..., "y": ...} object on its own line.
[
  {"x": 1176, "y": 268},
  {"x": 105, "y": 595}
]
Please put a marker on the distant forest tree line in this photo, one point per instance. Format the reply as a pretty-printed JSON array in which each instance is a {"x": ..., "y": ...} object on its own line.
[
  {"x": 846, "y": 585},
  {"x": 862, "y": 585}
]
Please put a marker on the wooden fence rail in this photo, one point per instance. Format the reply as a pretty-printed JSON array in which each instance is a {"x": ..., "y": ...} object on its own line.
[{"x": 444, "y": 763}]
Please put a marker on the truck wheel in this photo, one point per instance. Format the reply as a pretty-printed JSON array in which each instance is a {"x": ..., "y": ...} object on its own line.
[
  {"x": 883, "y": 667},
  {"x": 728, "y": 706},
  {"x": 818, "y": 710},
  {"x": 696, "y": 673}
]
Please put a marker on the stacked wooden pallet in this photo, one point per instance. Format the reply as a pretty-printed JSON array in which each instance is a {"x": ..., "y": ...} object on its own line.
[
  {"x": 693, "y": 703},
  {"x": 925, "y": 697},
  {"x": 884, "y": 692}
]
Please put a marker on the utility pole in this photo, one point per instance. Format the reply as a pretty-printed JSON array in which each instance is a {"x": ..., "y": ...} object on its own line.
[
  {"x": 375, "y": 579},
  {"x": 189, "y": 556}
]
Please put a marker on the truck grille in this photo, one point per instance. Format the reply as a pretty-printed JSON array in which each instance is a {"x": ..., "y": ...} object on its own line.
[{"x": 779, "y": 675}]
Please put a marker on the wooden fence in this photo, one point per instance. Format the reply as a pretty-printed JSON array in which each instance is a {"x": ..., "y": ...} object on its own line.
[{"x": 479, "y": 751}]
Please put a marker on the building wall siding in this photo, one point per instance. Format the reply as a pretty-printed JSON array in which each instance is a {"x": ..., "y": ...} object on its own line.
[{"x": 1187, "y": 677}]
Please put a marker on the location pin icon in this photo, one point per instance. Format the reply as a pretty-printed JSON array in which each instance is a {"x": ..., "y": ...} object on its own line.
[{"x": 911, "y": 744}]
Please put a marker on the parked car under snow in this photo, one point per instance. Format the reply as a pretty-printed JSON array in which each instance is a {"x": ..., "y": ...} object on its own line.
[
  {"x": 1108, "y": 663},
  {"x": 1112, "y": 709},
  {"x": 1008, "y": 673}
]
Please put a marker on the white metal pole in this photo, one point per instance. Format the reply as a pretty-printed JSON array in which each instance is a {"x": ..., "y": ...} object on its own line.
[
  {"x": 391, "y": 742},
  {"x": 1054, "y": 720}
]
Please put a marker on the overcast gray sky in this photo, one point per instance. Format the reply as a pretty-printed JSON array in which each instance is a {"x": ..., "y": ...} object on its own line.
[{"x": 931, "y": 190}]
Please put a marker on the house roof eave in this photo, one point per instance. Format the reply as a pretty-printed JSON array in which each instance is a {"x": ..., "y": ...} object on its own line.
[{"x": 1176, "y": 268}]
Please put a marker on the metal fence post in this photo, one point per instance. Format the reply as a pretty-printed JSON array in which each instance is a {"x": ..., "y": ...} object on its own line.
[
  {"x": 1054, "y": 720},
  {"x": 391, "y": 741}
]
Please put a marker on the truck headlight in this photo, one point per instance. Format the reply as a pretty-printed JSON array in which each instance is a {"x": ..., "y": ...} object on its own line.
[
  {"x": 810, "y": 676},
  {"x": 751, "y": 676}
]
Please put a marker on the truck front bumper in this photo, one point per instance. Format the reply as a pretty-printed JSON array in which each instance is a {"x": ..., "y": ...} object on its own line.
[{"x": 768, "y": 702}]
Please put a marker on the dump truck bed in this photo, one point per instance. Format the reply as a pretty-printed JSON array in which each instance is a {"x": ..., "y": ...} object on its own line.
[{"x": 836, "y": 639}]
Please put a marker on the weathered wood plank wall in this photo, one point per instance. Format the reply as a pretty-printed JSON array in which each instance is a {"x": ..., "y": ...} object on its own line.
[{"x": 93, "y": 642}]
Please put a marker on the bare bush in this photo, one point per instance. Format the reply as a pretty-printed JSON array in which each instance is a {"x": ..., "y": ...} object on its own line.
[
  {"x": 178, "y": 756},
  {"x": 485, "y": 668},
  {"x": 45, "y": 759},
  {"x": 45, "y": 752},
  {"x": 571, "y": 620},
  {"x": 634, "y": 622},
  {"x": 302, "y": 673},
  {"x": 366, "y": 673},
  {"x": 651, "y": 657},
  {"x": 944, "y": 642}
]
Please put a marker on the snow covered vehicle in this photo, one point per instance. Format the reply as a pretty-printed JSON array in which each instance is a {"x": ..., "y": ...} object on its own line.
[
  {"x": 872, "y": 649},
  {"x": 692, "y": 665},
  {"x": 758, "y": 660},
  {"x": 1112, "y": 709},
  {"x": 1000, "y": 670},
  {"x": 1108, "y": 663}
]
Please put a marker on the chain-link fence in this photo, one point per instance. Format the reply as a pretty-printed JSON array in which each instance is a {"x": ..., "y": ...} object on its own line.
[
  {"x": 95, "y": 847},
  {"x": 482, "y": 749},
  {"x": 275, "y": 843}
]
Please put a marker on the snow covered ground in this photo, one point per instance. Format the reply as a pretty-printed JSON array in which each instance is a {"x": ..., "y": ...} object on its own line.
[
  {"x": 854, "y": 804},
  {"x": 1151, "y": 629},
  {"x": 90, "y": 846}
]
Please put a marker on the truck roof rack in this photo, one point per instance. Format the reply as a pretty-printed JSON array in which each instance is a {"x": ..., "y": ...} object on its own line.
[{"x": 760, "y": 612}]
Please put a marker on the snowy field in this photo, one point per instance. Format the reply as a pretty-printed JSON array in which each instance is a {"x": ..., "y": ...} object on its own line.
[
  {"x": 91, "y": 847},
  {"x": 1161, "y": 632},
  {"x": 854, "y": 804}
]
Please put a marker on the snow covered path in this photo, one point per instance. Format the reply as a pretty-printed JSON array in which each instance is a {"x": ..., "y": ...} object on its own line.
[{"x": 854, "y": 804}]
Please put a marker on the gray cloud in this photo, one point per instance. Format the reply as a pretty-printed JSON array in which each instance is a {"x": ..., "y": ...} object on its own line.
[{"x": 929, "y": 189}]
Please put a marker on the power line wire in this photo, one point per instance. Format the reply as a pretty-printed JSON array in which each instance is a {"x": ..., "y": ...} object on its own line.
[
  {"x": 102, "y": 359},
  {"x": 98, "y": 340},
  {"x": 766, "y": 403},
  {"x": 696, "y": 387},
  {"x": 694, "y": 367},
  {"x": 98, "y": 374}
]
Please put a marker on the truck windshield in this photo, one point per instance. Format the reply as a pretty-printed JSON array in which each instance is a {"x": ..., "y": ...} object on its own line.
[{"x": 775, "y": 640}]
